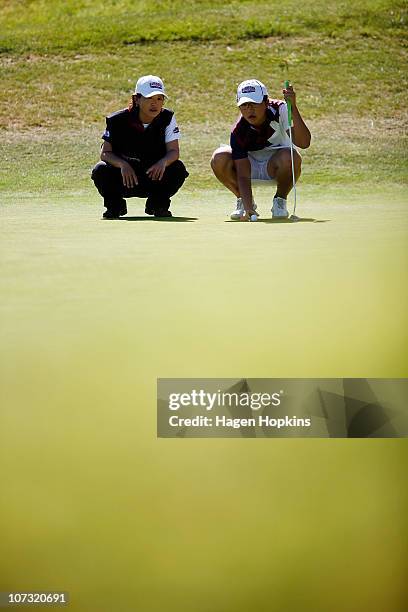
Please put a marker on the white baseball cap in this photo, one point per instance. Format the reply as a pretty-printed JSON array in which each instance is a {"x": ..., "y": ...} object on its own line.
[
  {"x": 251, "y": 91},
  {"x": 149, "y": 86}
]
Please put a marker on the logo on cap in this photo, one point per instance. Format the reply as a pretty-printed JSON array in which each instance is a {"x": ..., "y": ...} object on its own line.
[
  {"x": 248, "y": 89},
  {"x": 155, "y": 85}
]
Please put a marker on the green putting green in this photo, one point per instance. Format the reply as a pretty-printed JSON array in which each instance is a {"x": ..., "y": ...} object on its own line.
[{"x": 206, "y": 295}]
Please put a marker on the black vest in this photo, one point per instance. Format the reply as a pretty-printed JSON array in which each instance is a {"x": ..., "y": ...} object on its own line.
[{"x": 129, "y": 139}]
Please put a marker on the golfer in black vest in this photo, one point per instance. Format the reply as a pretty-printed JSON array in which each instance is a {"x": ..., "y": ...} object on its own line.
[{"x": 140, "y": 154}]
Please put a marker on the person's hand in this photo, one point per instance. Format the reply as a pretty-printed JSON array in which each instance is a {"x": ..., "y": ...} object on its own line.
[
  {"x": 129, "y": 177},
  {"x": 290, "y": 95},
  {"x": 155, "y": 172},
  {"x": 248, "y": 214}
]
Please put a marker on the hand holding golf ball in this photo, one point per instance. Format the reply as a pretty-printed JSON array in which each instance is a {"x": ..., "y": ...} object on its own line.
[{"x": 250, "y": 215}]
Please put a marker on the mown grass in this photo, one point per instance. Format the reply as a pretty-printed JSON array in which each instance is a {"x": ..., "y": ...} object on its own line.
[
  {"x": 65, "y": 65},
  {"x": 83, "y": 24},
  {"x": 332, "y": 76}
]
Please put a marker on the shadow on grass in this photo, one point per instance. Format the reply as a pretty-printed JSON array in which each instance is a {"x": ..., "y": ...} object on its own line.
[
  {"x": 166, "y": 219},
  {"x": 290, "y": 221},
  {"x": 285, "y": 221}
]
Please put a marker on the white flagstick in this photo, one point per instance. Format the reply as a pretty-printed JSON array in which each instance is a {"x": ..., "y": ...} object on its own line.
[{"x": 289, "y": 105}]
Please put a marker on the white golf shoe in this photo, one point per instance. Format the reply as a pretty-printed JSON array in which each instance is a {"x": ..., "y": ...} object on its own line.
[
  {"x": 240, "y": 210},
  {"x": 279, "y": 208}
]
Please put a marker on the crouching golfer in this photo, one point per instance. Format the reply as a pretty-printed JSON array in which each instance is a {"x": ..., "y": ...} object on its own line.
[
  {"x": 260, "y": 148},
  {"x": 140, "y": 154}
]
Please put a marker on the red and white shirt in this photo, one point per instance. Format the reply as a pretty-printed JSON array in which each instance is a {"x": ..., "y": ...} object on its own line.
[{"x": 260, "y": 142}]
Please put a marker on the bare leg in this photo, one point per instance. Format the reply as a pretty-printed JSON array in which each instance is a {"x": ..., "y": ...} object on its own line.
[
  {"x": 224, "y": 169},
  {"x": 280, "y": 168}
]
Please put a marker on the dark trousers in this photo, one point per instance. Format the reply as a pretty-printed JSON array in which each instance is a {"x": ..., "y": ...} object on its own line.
[{"x": 108, "y": 181}]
